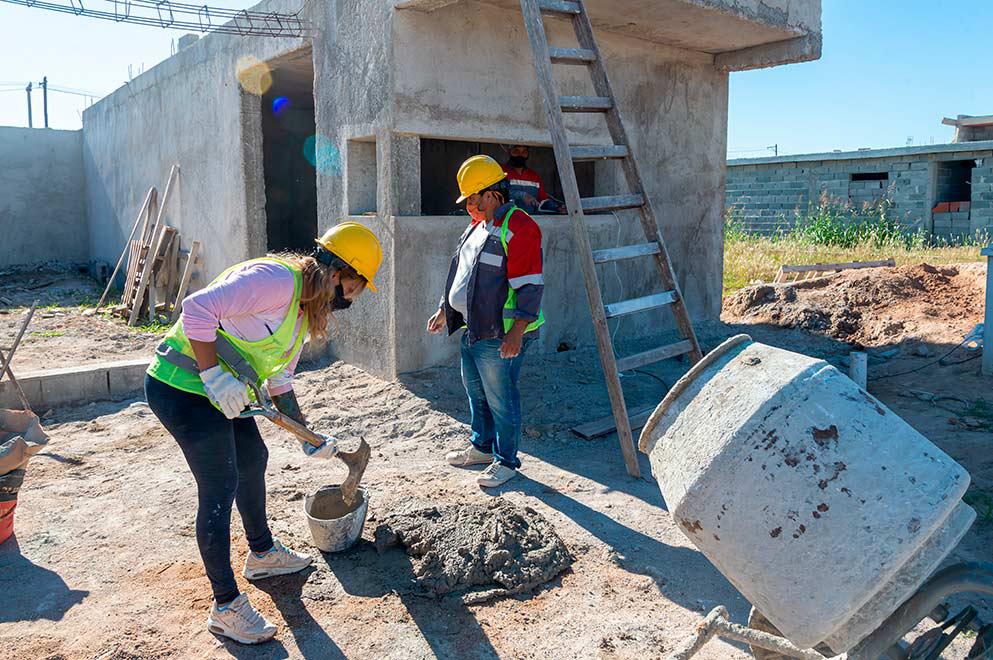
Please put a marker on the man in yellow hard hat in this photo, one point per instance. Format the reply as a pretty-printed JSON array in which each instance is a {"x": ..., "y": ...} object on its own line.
[
  {"x": 494, "y": 289},
  {"x": 248, "y": 326}
]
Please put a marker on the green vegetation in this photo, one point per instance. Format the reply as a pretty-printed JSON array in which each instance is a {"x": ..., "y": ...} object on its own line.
[
  {"x": 49, "y": 333},
  {"x": 982, "y": 501},
  {"x": 833, "y": 232}
]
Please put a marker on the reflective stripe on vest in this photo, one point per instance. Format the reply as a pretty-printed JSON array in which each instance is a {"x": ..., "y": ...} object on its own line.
[
  {"x": 255, "y": 360},
  {"x": 510, "y": 306}
]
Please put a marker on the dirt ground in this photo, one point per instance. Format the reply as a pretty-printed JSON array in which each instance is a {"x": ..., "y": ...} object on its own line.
[
  {"x": 60, "y": 335},
  {"x": 104, "y": 563}
]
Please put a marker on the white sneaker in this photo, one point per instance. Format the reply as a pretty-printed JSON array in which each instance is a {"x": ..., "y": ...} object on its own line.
[
  {"x": 278, "y": 561},
  {"x": 495, "y": 475},
  {"x": 468, "y": 456},
  {"x": 241, "y": 622}
]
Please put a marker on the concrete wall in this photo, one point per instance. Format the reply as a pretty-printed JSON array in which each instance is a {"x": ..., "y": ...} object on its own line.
[
  {"x": 189, "y": 110},
  {"x": 766, "y": 195},
  {"x": 42, "y": 196}
]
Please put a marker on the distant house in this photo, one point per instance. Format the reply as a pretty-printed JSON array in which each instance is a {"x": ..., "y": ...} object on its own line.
[{"x": 944, "y": 189}]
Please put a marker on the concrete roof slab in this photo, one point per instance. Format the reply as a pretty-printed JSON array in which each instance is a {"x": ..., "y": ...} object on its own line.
[{"x": 710, "y": 26}]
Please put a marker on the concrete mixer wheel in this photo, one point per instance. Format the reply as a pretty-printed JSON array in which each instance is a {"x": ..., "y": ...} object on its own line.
[{"x": 757, "y": 621}]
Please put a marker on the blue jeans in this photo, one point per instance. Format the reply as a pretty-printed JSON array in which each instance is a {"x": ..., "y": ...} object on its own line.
[
  {"x": 228, "y": 460},
  {"x": 494, "y": 397}
]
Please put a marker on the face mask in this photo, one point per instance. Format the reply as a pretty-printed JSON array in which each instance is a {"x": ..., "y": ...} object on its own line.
[
  {"x": 476, "y": 214},
  {"x": 518, "y": 161},
  {"x": 340, "y": 301}
]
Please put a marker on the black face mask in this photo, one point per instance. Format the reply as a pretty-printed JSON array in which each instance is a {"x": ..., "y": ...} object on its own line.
[
  {"x": 518, "y": 161},
  {"x": 340, "y": 301}
]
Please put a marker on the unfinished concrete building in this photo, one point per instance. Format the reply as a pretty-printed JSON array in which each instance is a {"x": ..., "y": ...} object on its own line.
[
  {"x": 371, "y": 115},
  {"x": 944, "y": 190}
]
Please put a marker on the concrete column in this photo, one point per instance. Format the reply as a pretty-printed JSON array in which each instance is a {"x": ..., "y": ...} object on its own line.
[
  {"x": 256, "y": 240},
  {"x": 399, "y": 190},
  {"x": 930, "y": 197},
  {"x": 988, "y": 318}
]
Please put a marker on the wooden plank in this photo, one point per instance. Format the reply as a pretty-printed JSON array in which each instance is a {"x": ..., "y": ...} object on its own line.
[
  {"x": 146, "y": 276},
  {"x": 605, "y": 425},
  {"x": 574, "y": 56},
  {"x": 184, "y": 284},
  {"x": 133, "y": 256},
  {"x": 559, "y": 6},
  {"x": 850, "y": 265},
  {"x": 611, "y": 203},
  {"x": 5, "y": 361},
  {"x": 142, "y": 214},
  {"x": 649, "y": 219},
  {"x": 625, "y": 252},
  {"x": 585, "y": 104},
  {"x": 654, "y": 355},
  {"x": 642, "y": 304},
  {"x": 538, "y": 41},
  {"x": 598, "y": 152}
]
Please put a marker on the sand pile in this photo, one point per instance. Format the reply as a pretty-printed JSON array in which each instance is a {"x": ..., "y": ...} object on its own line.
[
  {"x": 871, "y": 307},
  {"x": 458, "y": 547}
]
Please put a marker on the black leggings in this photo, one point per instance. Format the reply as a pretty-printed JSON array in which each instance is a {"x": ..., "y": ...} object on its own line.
[{"x": 228, "y": 459}]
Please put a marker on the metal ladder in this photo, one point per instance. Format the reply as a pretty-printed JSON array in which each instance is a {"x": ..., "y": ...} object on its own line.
[{"x": 588, "y": 55}]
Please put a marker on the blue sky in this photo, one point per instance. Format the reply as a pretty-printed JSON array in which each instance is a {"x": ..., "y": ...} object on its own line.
[{"x": 891, "y": 69}]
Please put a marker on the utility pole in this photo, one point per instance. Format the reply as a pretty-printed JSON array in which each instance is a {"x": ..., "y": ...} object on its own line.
[
  {"x": 774, "y": 148},
  {"x": 28, "y": 90},
  {"x": 44, "y": 97}
]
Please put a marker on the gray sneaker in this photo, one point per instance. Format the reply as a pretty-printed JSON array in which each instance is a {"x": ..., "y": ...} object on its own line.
[
  {"x": 241, "y": 622},
  {"x": 468, "y": 456},
  {"x": 495, "y": 475},
  {"x": 278, "y": 561}
]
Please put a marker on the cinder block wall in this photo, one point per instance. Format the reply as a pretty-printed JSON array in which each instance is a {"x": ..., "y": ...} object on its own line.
[
  {"x": 42, "y": 200},
  {"x": 767, "y": 197}
]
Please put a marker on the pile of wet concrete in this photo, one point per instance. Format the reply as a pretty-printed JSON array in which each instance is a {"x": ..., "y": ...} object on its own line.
[{"x": 480, "y": 551}]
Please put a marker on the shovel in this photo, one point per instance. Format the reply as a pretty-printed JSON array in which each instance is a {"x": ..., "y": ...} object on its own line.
[{"x": 355, "y": 460}]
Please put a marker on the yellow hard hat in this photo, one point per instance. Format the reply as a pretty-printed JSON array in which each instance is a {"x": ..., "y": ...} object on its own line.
[
  {"x": 478, "y": 173},
  {"x": 356, "y": 245}
]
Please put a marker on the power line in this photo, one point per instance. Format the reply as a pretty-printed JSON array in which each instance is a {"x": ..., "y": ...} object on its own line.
[{"x": 180, "y": 16}]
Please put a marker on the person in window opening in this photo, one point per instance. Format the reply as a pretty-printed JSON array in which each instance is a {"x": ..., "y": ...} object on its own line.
[
  {"x": 526, "y": 187},
  {"x": 249, "y": 325},
  {"x": 493, "y": 292}
]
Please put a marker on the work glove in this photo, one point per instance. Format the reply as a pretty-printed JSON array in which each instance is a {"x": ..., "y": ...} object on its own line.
[
  {"x": 227, "y": 392},
  {"x": 328, "y": 448}
]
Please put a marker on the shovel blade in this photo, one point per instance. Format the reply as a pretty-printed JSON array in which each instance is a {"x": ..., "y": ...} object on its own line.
[{"x": 356, "y": 461}]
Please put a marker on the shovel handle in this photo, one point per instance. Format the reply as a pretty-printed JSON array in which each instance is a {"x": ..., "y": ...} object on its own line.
[{"x": 296, "y": 428}]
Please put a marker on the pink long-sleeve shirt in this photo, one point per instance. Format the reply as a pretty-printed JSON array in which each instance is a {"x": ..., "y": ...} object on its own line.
[{"x": 249, "y": 303}]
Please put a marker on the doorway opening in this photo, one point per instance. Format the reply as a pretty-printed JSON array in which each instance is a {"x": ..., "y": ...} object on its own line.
[{"x": 288, "y": 126}]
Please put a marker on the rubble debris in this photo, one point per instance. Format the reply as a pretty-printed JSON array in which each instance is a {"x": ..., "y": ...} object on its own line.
[
  {"x": 871, "y": 307},
  {"x": 491, "y": 550}
]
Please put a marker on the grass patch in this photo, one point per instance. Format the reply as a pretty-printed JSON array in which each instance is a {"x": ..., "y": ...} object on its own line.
[
  {"x": 49, "y": 333},
  {"x": 832, "y": 232},
  {"x": 151, "y": 326}
]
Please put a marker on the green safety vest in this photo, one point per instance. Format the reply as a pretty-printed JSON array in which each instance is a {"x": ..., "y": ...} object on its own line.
[
  {"x": 175, "y": 363},
  {"x": 511, "y": 305}
]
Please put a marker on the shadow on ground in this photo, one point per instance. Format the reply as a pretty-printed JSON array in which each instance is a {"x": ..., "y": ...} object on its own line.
[
  {"x": 20, "y": 583},
  {"x": 447, "y": 625}
]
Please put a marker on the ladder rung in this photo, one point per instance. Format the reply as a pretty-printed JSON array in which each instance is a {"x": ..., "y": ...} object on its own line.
[
  {"x": 598, "y": 152},
  {"x": 625, "y": 252},
  {"x": 612, "y": 202},
  {"x": 585, "y": 103},
  {"x": 571, "y": 55},
  {"x": 558, "y": 6},
  {"x": 639, "y": 304},
  {"x": 654, "y": 355}
]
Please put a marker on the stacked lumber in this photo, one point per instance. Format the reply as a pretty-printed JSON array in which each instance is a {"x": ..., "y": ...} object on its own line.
[{"x": 158, "y": 272}]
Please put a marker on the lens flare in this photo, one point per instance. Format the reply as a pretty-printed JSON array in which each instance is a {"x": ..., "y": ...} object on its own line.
[
  {"x": 321, "y": 152},
  {"x": 279, "y": 104},
  {"x": 253, "y": 75}
]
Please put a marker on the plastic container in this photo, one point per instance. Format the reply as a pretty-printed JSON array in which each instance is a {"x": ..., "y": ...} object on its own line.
[
  {"x": 7, "y": 519},
  {"x": 823, "y": 507},
  {"x": 335, "y": 526}
]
